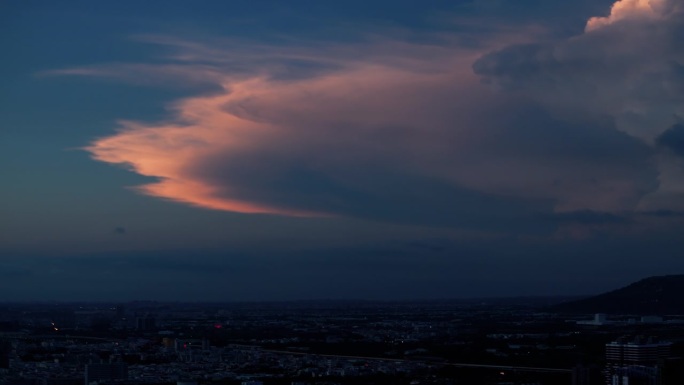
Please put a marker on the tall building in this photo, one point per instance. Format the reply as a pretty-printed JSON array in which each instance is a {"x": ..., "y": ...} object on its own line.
[
  {"x": 586, "y": 375},
  {"x": 99, "y": 372},
  {"x": 635, "y": 362},
  {"x": 146, "y": 323}
]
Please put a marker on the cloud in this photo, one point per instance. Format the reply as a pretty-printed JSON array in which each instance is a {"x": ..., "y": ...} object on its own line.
[
  {"x": 673, "y": 139},
  {"x": 630, "y": 10},
  {"x": 627, "y": 67},
  {"x": 404, "y": 131},
  {"x": 355, "y": 141},
  {"x": 167, "y": 74}
]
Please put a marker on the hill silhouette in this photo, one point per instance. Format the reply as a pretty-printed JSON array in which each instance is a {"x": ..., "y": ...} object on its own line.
[{"x": 658, "y": 295}]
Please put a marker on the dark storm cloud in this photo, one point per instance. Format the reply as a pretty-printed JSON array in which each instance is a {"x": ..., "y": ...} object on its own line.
[
  {"x": 673, "y": 139},
  {"x": 372, "y": 193},
  {"x": 626, "y": 67},
  {"x": 520, "y": 137},
  {"x": 515, "y": 65}
]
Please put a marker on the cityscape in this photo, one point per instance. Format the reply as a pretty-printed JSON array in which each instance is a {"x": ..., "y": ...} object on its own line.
[{"x": 519, "y": 341}]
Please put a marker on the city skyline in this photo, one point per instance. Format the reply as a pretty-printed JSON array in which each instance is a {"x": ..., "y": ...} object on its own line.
[{"x": 366, "y": 150}]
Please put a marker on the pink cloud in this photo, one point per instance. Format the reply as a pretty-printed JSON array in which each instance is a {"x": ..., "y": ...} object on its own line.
[
  {"x": 333, "y": 120},
  {"x": 375, "y": 122}
]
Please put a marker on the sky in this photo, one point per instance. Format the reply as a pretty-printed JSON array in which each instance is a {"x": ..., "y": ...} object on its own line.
[{"x": 375, "y": 150}]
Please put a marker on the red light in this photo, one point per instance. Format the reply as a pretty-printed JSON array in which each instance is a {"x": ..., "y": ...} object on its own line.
[{"x": 218, "y": 326}]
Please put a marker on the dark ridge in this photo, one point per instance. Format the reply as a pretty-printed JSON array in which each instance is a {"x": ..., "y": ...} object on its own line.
[{"x": 661, "y": 295}]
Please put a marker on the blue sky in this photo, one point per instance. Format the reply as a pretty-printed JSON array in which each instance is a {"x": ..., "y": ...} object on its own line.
[{"x": 381, "y": 150}]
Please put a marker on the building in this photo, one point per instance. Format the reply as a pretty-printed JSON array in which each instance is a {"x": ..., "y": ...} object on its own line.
[
  {"x": 586, "y": 375},
  {"x": 635, "y": 362},
  {"x": 599, "y": 320},
  {"x": 146, "y": 323}
]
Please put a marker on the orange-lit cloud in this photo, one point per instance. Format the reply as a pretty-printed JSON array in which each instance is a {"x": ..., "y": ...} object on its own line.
[
  {"x": 163, "y": 151},
  {"x": 335, "y": 120},
  {"x": 628, "y": 9},
  {"x": 393, "y": 130}
]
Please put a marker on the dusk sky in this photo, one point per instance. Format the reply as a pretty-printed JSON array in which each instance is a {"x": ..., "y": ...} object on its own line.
[{"x": 286, "y": 150}]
